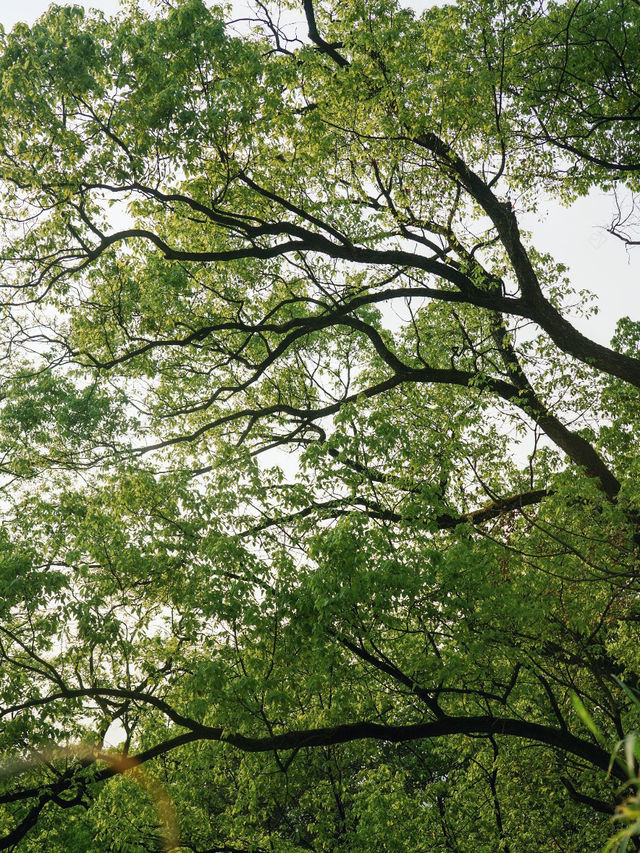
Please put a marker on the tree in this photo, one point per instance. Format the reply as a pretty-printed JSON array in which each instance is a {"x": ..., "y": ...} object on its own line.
[{"x": 309, "y": 480}]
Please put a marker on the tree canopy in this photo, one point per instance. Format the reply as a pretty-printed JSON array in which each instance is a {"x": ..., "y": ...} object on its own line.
[{"x": 312, "y": 488}]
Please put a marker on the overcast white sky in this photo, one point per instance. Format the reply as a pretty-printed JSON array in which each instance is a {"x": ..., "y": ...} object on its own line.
[
  {"x": 574, "y": 236},
  {"x": 12, "y": 11}
]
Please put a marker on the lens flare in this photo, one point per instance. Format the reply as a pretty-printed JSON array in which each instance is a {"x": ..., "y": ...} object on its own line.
[{"x": 120, "y": 764}]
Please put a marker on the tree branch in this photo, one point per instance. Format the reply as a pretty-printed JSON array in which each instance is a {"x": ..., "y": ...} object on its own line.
[{"x": 316, "y": 38}]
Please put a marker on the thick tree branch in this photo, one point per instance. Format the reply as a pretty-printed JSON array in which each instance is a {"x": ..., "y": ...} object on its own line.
[
  {"x": 390, "y": 669},
  {"x": 316, "y": 38},
  {"x": 304, "y": 739},
  {"x": 539, "y": 308},
  {"x": 343, "y": 506},
  {"x": 586, "y": 800},
  {"x": 557, "y": 739}
]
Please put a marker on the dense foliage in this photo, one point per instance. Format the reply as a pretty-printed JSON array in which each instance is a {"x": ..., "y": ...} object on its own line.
[{"x": 313, "y": 496}]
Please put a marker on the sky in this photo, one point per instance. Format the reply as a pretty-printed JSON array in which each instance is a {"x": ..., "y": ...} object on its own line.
[
  {"x": 12, "y": 11},
  {"x": 575, "y": 236}
]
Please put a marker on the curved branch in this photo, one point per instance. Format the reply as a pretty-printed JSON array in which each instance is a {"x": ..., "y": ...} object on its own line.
[
  {"x": 316, "y": 38},
  {"x": 307, "y": 324},
  {"x": 539, "y": 308},
  {"x": 577, "y": 448},
  {"x": 340, "y": 506},
  {"x": 593, "y": 803},
  {"x": 483, "y": 725}
]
